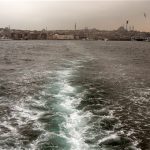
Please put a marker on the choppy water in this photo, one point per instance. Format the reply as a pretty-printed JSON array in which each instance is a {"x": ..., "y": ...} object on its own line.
[{"x": 74, "y": 95}]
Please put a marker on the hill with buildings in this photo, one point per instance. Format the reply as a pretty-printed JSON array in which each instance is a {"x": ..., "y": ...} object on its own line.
[{"x": 83, "y": 34}]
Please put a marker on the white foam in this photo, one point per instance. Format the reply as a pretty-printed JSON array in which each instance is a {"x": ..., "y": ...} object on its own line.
[
  {"x": 75, "y": 120},
  {"x": 112, "y": 136},
  {"x": 76, "y": 128}
]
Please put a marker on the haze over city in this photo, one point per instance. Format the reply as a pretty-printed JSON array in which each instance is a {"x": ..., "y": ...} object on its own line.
[{"x": 104, "y": 15}]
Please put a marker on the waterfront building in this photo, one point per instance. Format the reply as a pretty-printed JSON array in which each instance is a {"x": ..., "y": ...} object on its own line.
[{"x": 63, "y": 37}]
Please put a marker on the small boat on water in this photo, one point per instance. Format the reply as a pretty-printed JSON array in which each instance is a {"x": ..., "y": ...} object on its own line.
[
  {"x": 139, "y": 38},
  {"x": 105, "y": 39},
  {"x": 148, "y": 39}
]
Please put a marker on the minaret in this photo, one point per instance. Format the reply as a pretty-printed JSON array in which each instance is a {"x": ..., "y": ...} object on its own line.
[
  {"x": 75, "y": 27},
  {"x": 127, "y": 22}
]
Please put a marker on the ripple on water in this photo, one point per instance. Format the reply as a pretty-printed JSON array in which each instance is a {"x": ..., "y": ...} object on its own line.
[{"x": 65, "y": 117}]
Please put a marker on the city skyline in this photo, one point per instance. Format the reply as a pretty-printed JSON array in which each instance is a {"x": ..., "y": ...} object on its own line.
[{"x": 53, "y": 15}]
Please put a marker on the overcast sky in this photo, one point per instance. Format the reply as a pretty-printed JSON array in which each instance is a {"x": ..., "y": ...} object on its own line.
[{"x": 61, "y": 14}]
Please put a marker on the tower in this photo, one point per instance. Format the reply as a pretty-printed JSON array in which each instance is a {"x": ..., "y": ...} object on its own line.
[
  {"x": 75, "y": 27},
  {"x": 127, "y": 22}
]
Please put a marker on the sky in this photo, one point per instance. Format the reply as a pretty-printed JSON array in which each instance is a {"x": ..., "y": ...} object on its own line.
[{"x": 63, "y": 14}]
